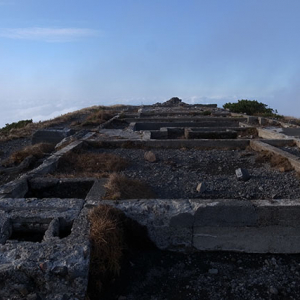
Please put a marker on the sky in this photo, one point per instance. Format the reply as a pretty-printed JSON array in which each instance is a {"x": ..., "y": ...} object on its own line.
[{"x": 58, "y": 56}]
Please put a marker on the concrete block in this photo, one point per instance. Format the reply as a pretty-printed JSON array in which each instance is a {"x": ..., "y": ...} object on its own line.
[
  {"x": 262, "y": 121},
  {"x": 228, "y": 134},
  {"x": 15, "y": 189},
  {"x": 51, "y": 135},
  {"x": 242, "y": 174},
  {"x": 96, "y": 192},
  {"x": 270, "y": 134},
  {"x": 169, "y": 222},
  {"x": 270, "y": 239},
  {"x": 295, "y": 132},
  {"x": 226, "y": 213},
  {"x": 252, "y": 119},
  {"x": 47, "y": 257}
]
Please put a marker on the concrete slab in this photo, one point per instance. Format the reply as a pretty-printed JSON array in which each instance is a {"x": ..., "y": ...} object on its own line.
[
  {"x": 51, "y": 135},
  {"x": 45, "y": 254},
  {"x": 173, "y": 143},
  {"x": 271, "y": 239},
  {"x": 257, "y": 226}
]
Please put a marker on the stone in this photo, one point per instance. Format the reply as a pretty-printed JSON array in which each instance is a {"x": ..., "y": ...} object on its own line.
[
  {"x": 150, "y": 156},
  {"x": 213, "y": 271},
  {"x": 60, "y": 270},
  {"x": 273, "y": 290},
  {"x": 262, "y": 121},
  {"x": 201, "y": 187},
  {"x": 242, "y": 174}
]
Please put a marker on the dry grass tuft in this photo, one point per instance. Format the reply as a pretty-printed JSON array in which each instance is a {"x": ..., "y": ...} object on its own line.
[
  {"x": 112, "y": 236},
  {"x": 91, "y": 163},
  {"x": 121, "y": 187},
  {"x": 107, "y": 241},
  {"x": 30, "y": 128},
  {"x": 37, "y": 151},
  {"x": 98, "y": 117},
  {"x": 276, "y": 161}
]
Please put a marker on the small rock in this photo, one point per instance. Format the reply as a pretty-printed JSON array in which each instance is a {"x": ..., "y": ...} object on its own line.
[
  {"x": 273, "y": 290},
  {"x": 213, "y": 271},
  {"x": 242, "y": 174},
  {"x": 150, "y": 156},
  {"x": 60, "y": 270},
  {"x": 201, "y": 187},
  {"x": 43, "y": 266}
]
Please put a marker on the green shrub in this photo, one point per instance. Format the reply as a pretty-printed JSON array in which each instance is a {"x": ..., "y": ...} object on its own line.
[
  {"x": 250, "y": 107},
  {"x": 207, "y": 113},
  {"x": 15, "y": 125}
]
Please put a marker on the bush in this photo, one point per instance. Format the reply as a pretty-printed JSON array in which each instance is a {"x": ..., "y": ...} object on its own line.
[
  {"x": 15, "y": 125},
  {"x": 206, "y": 113},
  {"x": 37, "y": 151},
  {"x": 250, "y": 107},
  {"x": 107, "y": 241}
]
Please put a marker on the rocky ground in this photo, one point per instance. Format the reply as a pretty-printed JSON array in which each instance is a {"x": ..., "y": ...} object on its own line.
[
  {"x": 159, "y": 275},
  {"x": 177, "y": 172}
]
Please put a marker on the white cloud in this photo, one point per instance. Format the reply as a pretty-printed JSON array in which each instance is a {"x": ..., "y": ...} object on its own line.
[{"x": 48, "y": 34}]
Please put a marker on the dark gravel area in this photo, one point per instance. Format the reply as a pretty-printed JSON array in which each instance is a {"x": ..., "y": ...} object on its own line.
[
  {"x": 159, "y": 275},
  {"x": 6, "y": 149},
  {"x": 292, "y": 150},
  {"x": 177, "y": 173}
]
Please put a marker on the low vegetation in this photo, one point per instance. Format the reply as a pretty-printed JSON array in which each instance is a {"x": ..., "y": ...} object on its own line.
[
  {"x": 93, "y": 164},
  {"x": 121, "y": 187},
  {"x": 25, "y": 128},
  {"x": 113, "y": 236},
  {"x": 98, "y": 117},
  {"x": 251, "y": 107},
  {"x": 15, "y": 125},
  {"x": 37, "y": 151},
  {"x": 107, "y": 244}
]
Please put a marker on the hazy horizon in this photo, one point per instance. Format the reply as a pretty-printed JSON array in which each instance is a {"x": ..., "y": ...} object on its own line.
[{"x": 60, "y": 56}]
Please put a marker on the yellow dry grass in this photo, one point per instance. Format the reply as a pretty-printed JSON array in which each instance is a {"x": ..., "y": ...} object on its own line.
[
  {"x": 91, "y": 163},
  {"x": 107, "y": 244},
  {"x": 29, "y": 129},
  {"x": 121, "y": 187},
  {"x": 37, "y": 150}
]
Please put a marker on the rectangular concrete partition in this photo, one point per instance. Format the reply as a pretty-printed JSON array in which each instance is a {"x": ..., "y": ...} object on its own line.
[{"x": 257, "y": 226}]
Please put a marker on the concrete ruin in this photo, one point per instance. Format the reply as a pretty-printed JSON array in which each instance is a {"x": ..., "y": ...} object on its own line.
[{"x": 44, "y": 233}]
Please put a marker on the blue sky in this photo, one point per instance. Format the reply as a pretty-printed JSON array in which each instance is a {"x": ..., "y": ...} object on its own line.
[{"x": 58, "y": 56}]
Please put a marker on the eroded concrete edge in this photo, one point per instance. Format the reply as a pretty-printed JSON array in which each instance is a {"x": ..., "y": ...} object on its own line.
[{"x": 257, "y": 226}]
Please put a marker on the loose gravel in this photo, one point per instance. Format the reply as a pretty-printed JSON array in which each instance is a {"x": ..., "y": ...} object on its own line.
[
  {"x": 177, "y": 173},
  {"x": 160, "y": 275}
]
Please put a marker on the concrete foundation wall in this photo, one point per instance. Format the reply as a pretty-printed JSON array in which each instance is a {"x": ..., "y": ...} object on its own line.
[
  {"x": 199, "y": 144},
  {"x": 257, "y": 226},
  {"x": 157, "y": 126}
]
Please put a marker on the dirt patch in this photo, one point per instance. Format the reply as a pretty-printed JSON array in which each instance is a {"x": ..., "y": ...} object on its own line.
[
  {"x": 99, "y": 164},
  {"x": 276, "y": 161},
  {"x": 37, "y": 151},
  {"x": 62, "y": 190}
]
